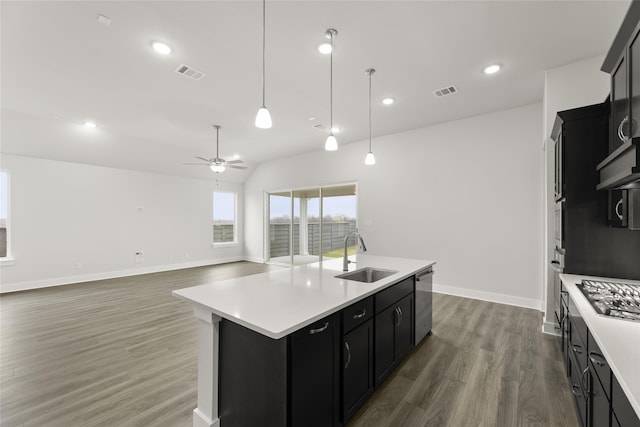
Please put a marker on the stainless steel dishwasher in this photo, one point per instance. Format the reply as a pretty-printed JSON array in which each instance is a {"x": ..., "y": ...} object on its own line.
[{"x": 424, "y": 310}]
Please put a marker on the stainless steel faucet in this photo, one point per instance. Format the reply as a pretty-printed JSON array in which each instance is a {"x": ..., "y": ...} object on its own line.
[{"x": 345, "y": 260}]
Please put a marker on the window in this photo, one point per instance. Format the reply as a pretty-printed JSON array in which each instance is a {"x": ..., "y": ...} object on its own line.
[
  {"x": 224, "y": 218},
  {"x": 4, "y": 215}
]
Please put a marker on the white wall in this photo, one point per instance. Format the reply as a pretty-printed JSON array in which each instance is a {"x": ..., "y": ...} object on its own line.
[
  {"x": 67, "y": 213},
  {"x": 465, "y": 193},
  {"x": 570, "y": 86}
]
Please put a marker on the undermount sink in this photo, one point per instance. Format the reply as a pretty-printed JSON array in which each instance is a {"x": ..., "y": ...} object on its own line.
[{"x": 366, "y": 275}]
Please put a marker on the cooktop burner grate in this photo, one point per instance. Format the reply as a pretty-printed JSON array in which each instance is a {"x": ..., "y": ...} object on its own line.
[{"x": 620, "y": 300}]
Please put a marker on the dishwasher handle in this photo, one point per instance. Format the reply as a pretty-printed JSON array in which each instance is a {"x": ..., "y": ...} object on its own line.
[{"x": 424, "y": 276}]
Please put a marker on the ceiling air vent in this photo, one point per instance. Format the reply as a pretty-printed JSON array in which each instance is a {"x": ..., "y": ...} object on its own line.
[
  {"x": 190, "y": 72},
  {"x": 445, "y": 91}
]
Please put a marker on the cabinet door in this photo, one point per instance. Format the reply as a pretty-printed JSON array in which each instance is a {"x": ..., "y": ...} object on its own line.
[
  {"x": 393, "y": 337},
  {"x": 385, "y": 324},
  {"x": 357, "y": 371},
  {"x": 403, "y": 340},
  {"x": 619, "y": 105},
  {"x": 314, "y": 374},
  {"x": 599, "y": 406},
  {"x": 634, "y": 83},
  {"x": 621, "y": 406}
]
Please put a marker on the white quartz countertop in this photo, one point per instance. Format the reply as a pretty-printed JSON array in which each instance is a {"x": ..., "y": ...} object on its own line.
[
  {"x": 618, "y": 339},
  {"x": 277, "y": 303}
]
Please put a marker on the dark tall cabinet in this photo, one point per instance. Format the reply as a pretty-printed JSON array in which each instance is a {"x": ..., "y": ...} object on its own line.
[{"x": 585, "y": 241}]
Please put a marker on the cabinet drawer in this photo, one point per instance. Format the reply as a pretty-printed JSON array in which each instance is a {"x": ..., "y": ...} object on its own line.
[
  {"x": 385, "y": 298},
  {"x": 575, "y": 380},
  {"x": 600, "y": 366},
  {"x": 579, "y": 326},
  {"x": 357, "y": 314},
  {"x": 576, "y": 346}
]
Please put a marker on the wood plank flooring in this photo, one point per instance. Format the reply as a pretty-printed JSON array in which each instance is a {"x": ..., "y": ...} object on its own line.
[{"x": 123, "y": 352}]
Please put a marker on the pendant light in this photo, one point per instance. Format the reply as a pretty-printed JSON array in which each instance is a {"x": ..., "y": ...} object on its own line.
[
  {"x": 263, "y": 118},
  {"x": 370, "y": 158},
  {"x": 331, "y": 144}
]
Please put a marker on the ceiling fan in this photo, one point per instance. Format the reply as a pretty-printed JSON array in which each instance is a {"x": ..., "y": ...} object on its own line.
[{"x": 216, "y": 164}]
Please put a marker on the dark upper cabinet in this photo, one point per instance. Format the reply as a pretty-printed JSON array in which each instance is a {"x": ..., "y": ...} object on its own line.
[
  {"x": 620, "y": 107},
  {"x": 621, "y": 167}
]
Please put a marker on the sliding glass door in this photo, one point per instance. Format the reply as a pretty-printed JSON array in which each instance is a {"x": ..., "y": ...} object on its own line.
[{"x": 307, "y": 224}]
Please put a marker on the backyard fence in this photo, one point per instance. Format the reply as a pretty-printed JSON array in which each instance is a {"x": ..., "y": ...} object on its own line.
[{"x": 332, "y": 237}]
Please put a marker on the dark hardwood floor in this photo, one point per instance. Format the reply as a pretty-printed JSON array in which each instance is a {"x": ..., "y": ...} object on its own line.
[{"x": 122, "y": 352}]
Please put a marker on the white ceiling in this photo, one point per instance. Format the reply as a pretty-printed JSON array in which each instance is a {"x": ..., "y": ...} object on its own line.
[{"x": 60, "y": 67}]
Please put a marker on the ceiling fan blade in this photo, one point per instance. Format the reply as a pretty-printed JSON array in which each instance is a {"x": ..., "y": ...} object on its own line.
[
  {"x": 202, "y": 158},
  {"x": 233, "y": 162},
  {"x": 235, "y": 167},
  {"x": 198, "y": 164}
]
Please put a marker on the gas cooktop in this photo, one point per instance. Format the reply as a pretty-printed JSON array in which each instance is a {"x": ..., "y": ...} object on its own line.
[{"x": 620, "y": 300}]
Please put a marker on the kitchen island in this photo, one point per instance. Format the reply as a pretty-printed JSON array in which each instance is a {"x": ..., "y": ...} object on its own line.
[{"x": 275, "y": 305}]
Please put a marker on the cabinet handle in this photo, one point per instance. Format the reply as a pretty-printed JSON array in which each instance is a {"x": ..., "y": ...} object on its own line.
[
  {"x": 348, "y": 350},
  {"x": 618, "y": 213},
  {"x": 361, "y": 314},
  {"x": 575, "y": 389},
  {"x": 576, "y": 349},
  {"x": 401, "y": 316},
  {"x": 621, "y": 134},
  {"x": 396, "y": 320},
  {"x": 597, "y": 359},
  {"x": 586, "y": 370},
  {"x": 322, "y": 329}
]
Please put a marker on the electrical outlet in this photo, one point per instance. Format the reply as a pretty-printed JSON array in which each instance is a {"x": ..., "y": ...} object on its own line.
[
  {"x": 139, "y": 209},
  {"x": 139, "y": 257},
  {"x": 78, "y": 266},
  {"x": 186, "y": 255},
  {"x": 170, "y": 256}
]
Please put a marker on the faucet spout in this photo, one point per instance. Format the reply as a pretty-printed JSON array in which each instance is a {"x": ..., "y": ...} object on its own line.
[{"x": 345, "y": 259}]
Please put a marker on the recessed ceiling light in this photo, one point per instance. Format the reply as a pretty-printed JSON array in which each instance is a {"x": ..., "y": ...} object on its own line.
[
  {"x": 335, "y": 130},
  {"x": 236, "y": 156},
  {"x": 161, "y": 48},
  {"x": 388, "y": 101},
  {"x": 492, "y": 69},
  {"x": 312, "y": 118},
  {"x": 325, "y": 48},
  {"x": 89, "y": 125}
]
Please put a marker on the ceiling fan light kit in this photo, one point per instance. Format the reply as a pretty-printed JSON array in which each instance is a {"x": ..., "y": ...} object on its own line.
[
  {"x": 217, "y": 164},
  {"x": 263, "y": 118}
]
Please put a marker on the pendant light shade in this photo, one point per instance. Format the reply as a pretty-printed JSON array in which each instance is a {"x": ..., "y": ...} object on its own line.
[
  {"x": 263, "y": 118},
  {"x": 370, "y": 158},
  {"x": 332, "y": 143}
]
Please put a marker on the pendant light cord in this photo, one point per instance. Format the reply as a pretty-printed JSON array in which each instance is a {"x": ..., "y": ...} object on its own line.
[
  {"x": 331, "y": 87},
  {"x": 264, "y": 12},
  {"x": 370, "y": 72}
]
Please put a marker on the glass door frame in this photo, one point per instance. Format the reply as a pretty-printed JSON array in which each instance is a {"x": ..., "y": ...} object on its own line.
[{"x": 267, "y": 215}]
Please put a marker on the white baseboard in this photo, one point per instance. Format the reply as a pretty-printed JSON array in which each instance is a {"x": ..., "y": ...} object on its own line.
[
  {"x": 549, "y": 328},
  {"x": 69, "y": 280},
  {"x": 488, "y": 296},
  {"x": 253, "y": 259}
]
